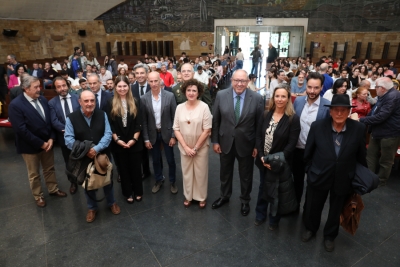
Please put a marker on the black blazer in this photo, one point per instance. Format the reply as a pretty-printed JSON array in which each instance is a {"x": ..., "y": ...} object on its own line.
[
  {"x": 327, "y": 171},
  {"x": 285, "y": 138},
  {"x": 134, "y": 125},
  {"x": 135, "y": 90}
]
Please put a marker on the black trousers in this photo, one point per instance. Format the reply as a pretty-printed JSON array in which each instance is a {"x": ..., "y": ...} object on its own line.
[
  {"x": 298, "y": 173},
  {"x": 246, "y": 165},
  {"x": 129, "y": 167},
  {"x": 315, "y": 201},
  {"x": 145, "y": 161}
]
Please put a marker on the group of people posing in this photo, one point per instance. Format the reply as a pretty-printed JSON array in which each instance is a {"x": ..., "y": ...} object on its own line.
[{"x": 314, "y": 136}]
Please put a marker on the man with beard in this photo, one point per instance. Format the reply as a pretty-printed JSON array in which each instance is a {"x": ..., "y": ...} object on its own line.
[
  {"x": 298, "y": 86},
  {"x": 60, "y": 107},
  {"x": 310, "y": 108}
]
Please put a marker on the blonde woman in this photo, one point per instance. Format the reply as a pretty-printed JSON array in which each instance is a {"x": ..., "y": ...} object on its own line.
[
  {"x": 126, "y": 123},
  {"x": 278, "y": 130}
]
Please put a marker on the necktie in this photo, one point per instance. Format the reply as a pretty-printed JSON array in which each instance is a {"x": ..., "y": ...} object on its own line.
[
  {"x": 141, "y": 90},
  {"x": 66, "y": 107},
  {"x": 237, "y": 108},
  {"x": 38, "y": 108},
  {"x": 97, "y": 100}
]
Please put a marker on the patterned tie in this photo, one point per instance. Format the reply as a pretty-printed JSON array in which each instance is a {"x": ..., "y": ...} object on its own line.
[
  {"x": 237, "y": 108},
  {"x": 141, "y": 90},
  {"x": 38, "y": 109},
  {"x": 97, "y": 100},
  {"x": 66, "y": 107}
]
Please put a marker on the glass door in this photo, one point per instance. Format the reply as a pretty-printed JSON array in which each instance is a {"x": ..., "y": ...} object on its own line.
[{"x": 284, "y": 44}]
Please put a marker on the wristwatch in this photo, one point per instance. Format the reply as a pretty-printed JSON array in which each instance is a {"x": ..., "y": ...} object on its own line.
[{"x": 135, "y": 139}]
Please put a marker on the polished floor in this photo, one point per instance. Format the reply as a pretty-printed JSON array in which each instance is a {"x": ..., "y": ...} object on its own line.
[{"x": 159, "y": 231}]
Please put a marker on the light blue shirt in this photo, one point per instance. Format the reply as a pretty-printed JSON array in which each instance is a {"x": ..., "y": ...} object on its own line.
[
  {"x": 104, "y": 142},
  {"x": 242, "y": 96}
]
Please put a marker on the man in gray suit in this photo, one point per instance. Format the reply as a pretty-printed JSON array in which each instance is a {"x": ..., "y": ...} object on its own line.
[
  {"x": 235, "y": 114},
  {"x": 158, "y": 108}
]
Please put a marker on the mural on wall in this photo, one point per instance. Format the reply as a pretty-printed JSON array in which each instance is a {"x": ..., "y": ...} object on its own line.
[{"x": 199, "y": 15}]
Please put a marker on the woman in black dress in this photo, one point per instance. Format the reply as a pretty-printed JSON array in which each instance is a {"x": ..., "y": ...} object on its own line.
[{"x": 126, "y": 123}]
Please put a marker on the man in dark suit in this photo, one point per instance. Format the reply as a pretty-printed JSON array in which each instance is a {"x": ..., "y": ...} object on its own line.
[
  {"x": 60, "y": 107},
  {"x": 310, "y": 108},
  {"x": 334, "y": 146},
  {"x": 158, "y": 116},
  {"x": 235, "y": 114},
  {"x": 36, "y": 71},
  {"x": 102, "y": 96},
  {"x": 30, "y": 117},
  {"x": 139, "y": 89},
  {"x": 141, "y": 86}
]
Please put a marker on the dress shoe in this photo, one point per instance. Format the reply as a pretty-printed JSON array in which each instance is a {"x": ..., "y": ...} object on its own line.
[
  {"x": 273, "y": 227},
  {"x": 174, "y": 188},
  {"x": 245, "y": 209},
  {"x": 219, "y": 202},
  {"x": 91, "y": 215},
  {"x": 115, "y": 209},
  {"x": 58, "y": 193},
  {"x": 307, "y": 235},
  {"x": 259, "y": 222},
  {"x": 329, "y": 245},
  {"x": 73, "y": 188},
  {"x": 40, "y": 202}
]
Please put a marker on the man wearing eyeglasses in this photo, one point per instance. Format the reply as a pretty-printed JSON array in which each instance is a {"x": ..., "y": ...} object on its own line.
[
  {"x": 236, "y": 111},
  {"x": 384, "y": 124}
]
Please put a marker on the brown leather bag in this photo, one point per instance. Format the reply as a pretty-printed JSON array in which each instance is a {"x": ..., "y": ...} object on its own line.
[{"x": 351, "y": 213}]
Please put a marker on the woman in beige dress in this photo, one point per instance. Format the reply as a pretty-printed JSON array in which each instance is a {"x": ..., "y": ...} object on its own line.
[{"x": 192, "y": 127}]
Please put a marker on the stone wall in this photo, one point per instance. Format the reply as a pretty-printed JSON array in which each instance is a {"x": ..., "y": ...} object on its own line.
[
  {"x": 41, "y": 39},
  {"x": 326, "y": 40},
  {"x": 38, "y": 40}
]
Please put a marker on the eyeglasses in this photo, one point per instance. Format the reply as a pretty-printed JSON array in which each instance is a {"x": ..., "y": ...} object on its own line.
[{"x": 240, "y": 81}]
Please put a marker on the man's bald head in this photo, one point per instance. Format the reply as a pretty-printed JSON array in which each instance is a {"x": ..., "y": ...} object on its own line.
[
  {"x": 323, "y": 67},
  {"x": 365, "y": 83}
]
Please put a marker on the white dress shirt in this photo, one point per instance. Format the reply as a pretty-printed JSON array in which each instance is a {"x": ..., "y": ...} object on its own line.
[
  {"x": 157, "y": 109},
  {"x": 68, "y": 96},
  {"x": 308, "y": 116},
  {"x": 30, "y": 100}
]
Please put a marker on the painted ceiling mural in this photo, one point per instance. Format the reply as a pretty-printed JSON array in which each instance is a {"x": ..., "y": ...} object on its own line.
[{"x": 198, "y": 15}]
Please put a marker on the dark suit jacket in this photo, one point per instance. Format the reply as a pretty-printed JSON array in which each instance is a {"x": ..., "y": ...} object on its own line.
[
  {"x": 134, "y": 125},
  {"x": 31, "y": 131},
  {"x": 285, "y": 138},
  {"x": 57, "y": 115},
  {"x": 323, "y": 112},
  {"x": 104, "y": 101},
  {"x": 224, "y": 128},
  {"x": 135, "y": 90},
  {"x": 169, "y": 89},
  {"x": 325, "y": 170},
  {"x": 168, "y": 107},
  {"x": 39, "y": 72}
]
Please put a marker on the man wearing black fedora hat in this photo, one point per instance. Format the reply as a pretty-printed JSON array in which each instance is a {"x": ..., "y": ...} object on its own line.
[{"x": 334, "y": 146}]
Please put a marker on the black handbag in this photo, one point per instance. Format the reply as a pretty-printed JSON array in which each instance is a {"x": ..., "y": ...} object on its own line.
[{"x": 364, "y": 180}]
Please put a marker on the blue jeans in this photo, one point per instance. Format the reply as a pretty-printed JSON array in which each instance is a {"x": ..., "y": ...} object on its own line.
[
  {"x": 169, "y": 154},
  {"x": 48, "y": 82},
  {"x": 262, "y": 204},
  {"x": 108, "y": 191},
  {"x": 255, "y": 67}
]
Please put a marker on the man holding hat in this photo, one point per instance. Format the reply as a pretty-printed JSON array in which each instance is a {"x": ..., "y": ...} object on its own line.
[{"x": 334, "y": 146}]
